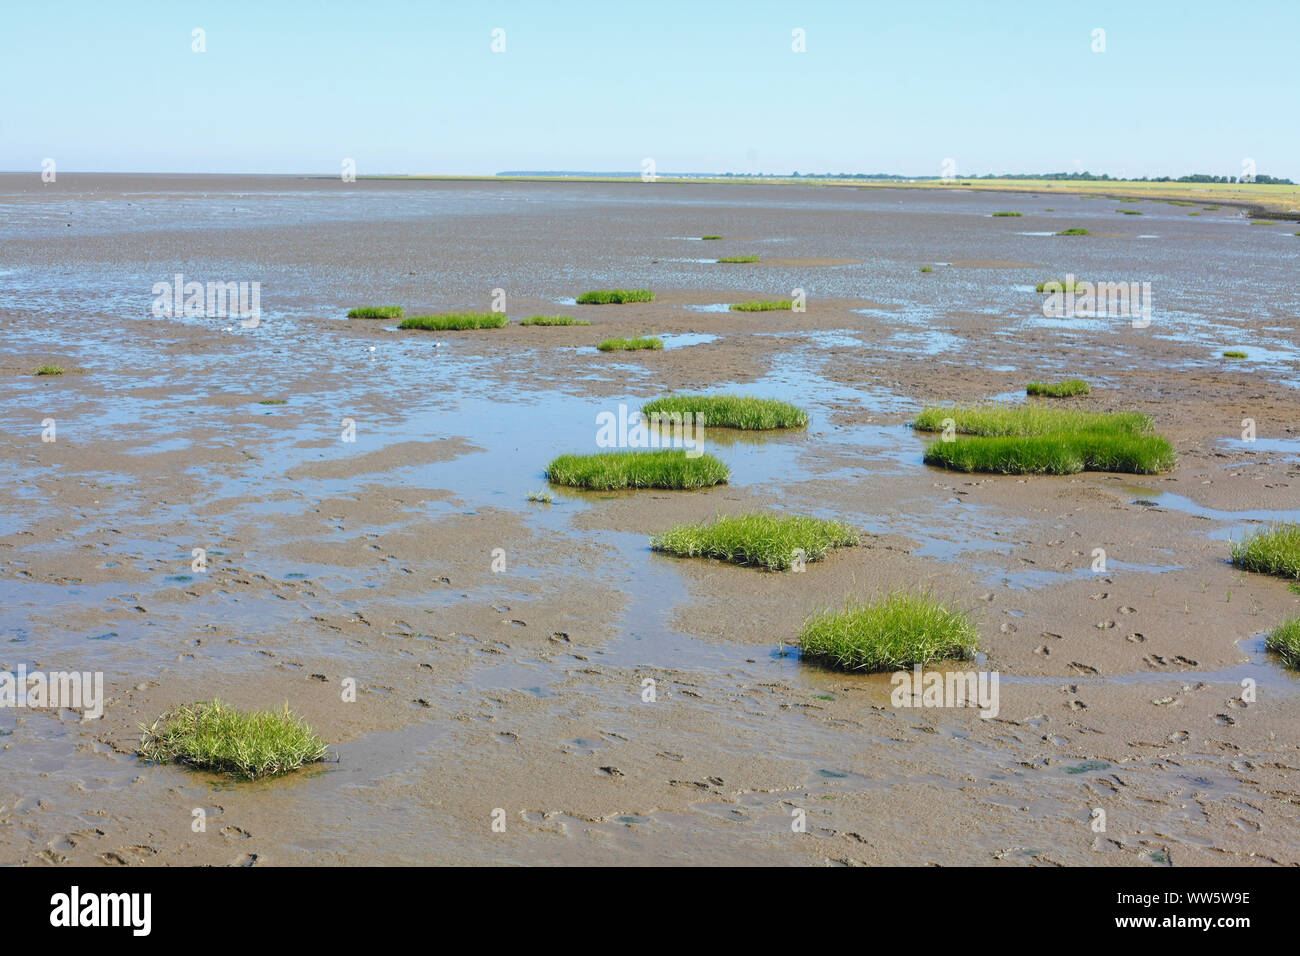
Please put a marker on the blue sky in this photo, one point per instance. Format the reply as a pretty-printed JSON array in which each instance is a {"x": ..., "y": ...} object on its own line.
[{"x": 404, "y": 87}]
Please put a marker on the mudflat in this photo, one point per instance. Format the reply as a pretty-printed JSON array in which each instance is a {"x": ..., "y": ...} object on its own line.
[{"x": 374, "y": 528}]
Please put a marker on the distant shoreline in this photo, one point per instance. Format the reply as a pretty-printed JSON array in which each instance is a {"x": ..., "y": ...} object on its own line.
[{"x": 1261, "y": 201}]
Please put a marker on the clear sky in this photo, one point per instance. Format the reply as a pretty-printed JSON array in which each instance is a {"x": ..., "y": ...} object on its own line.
[{"x": 407, "y": 87}]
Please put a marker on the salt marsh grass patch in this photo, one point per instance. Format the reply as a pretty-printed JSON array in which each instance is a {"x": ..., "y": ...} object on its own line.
[
  {"x": 729, "y": 411},
  {"x": 455, "y": 321},
  {"x": 1074, "y": 232},
  {"x": 1065, "y": 389},
  {"x": 776, "y": 305},
  {"x": 1037, "y": 439},
  {"x": 1027, "y": 420},
  {"x": 1015, "y": 215},
  {"x": 899, "y": 631},
  {"x": 1234, "y": 354},
  {"x": 1275, "y": 550},
  {"x": 631, "y": 345},
  {"x": 50, "y": 370},
  {"x": 553, "y": 320},
  {"x": 215, "y": 736},
  {"x": 613, "y": 471},
  {"x": 615, "y": 296},
  {"x": 1068, "y": 284},
  {"x": 772, "y": 541},
  {"x": 1284, "y": 641},
  {"x": 731, "y": 260},
  {"x": 376, "y": 312}
]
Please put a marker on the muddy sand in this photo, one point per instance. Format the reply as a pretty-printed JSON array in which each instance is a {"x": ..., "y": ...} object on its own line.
[{"x": 521, "y": 689}]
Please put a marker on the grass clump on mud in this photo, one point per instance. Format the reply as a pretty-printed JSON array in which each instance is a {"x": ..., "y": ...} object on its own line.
[
  {"x": 735, "y": 259},
  {"x": 1284, "y": 640},
  {"x": 1274, "y": 551},
  {"x": 769, "y": 541},
  {"x": 1234, "y": 354},
  {"x": 927, "y": 269},
  {"x": 1038, "y": 440},
  {"x": 553, "y": 320},
  {"x": 776, "y": 305},
  {"x": 729, "y": 411},
  {"x": 611, "y": 471},
  {"x": 1074, "y": 232},
  {"x": 615, "y": 296},
  {"x": 214, "y": 736},
  {"x": 456, "y": 321},
  {"x": 1068, "y": 284},
  {"x": 631, "y": 345},
  {"x": 376, "y": 312},
  {"x": 899, "y": 631},
  {"x": 710, "y": 237},
  {"x": 50, "y": 370},
  {"x": 1071, "y": 386},
  {"x": 998, "y": 215},
  {"x": 1129, "y": 212}
]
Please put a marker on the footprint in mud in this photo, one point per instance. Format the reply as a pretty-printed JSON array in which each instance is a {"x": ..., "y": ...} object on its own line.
[
  {"x": 1179, "y": 737},
  {"x": 1127, "y": 610},
  {"x": 1043, "y": 650},
  {"x": 248, "y": 859},
  {"x": 1242, "y": 766},
  {"x": 1223, "y": 720},
  {"x": 1078, "y": 705},
  {"x": 1084, "y": 669},
  {"x": 1136, "y": 637},
  {"x": 1008, "y": 627},
  {"x": 1100, "y": 595},
  {"x": 1155, "y": 660},
  {"x": 1105, "y": 625}
]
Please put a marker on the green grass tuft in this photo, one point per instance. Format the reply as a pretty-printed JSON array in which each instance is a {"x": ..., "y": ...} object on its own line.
[
  {"x": 615, "y": 296},
  {"x": 1037, "y": 439},
  {"x": 273, "y": 401},
  {"x": 553, "y": 320},
  {"x": 1074, "y": 232},
  {"x": 1013, "y": 214},
  {"x": 541, "y": 497},
  {"x": 50, "y": 370},
  {"x": 1051, "y": 285},
  {"x": 1028, "y": 420},
  {"x": 1234, "y": 354},
  {"x": 1055, "y": 454},
  {"x": 214, "y": 736},
  {"x": 1071, "y": 386},
  {"x": 926, "y": 269},
  {"x": 456, "y": 321},
  {"x": 611, "y": 471},
  {"x": 631, "y": 345},
  {"x": 729, "y": 411},
  {"x": 1275, "y": 551},
  {"x": 1284, "y": 640},
  {"x": 1130, "y": 212},
  {"x": 897, "y": 632},
  {"x": 734, "y": 259},
  {"x": 710, "y": 237},
  {"x": 763, "y": 540},
  {"x": 376, "y": 312},
  {"x": 776, "y": 305}
]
